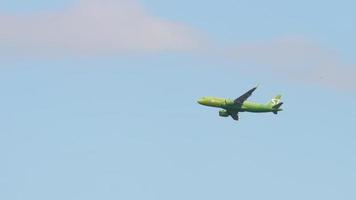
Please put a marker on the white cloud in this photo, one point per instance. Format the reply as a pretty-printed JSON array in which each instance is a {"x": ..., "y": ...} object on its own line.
[
  {"x": 112, "y": 27},
  {"x": 94, "y": 27},
  {"x": 296, "y": 59}
]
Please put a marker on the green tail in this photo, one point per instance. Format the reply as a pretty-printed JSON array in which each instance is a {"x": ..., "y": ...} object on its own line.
[
  {"x": 276, "y": 100},
  {"x": 276, "y": 103}
]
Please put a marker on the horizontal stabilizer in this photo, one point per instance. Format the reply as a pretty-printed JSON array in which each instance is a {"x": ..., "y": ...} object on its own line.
[{"x": 277, "y": 106}]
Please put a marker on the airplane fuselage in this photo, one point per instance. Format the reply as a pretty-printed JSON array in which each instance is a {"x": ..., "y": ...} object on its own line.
[{"x": 229, "y": 105}]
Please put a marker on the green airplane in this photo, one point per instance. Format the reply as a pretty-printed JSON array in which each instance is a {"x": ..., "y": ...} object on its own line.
[{"x": 233, "y": 107}]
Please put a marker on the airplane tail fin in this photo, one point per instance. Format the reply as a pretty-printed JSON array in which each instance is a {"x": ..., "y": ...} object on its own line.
[
  {"x": 276, "y": 103},
  {"x": 276, "y": 100}
]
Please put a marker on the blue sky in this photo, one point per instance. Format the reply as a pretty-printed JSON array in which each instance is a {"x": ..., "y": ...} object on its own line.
[{"x": 124, "y": 123}]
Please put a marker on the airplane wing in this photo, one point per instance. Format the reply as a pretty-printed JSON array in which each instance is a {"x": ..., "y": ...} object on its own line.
[{"x": 245, "y": 96}]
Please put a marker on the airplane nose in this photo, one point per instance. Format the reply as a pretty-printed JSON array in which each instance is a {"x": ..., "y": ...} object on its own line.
[{"x": 200, "y": 101}]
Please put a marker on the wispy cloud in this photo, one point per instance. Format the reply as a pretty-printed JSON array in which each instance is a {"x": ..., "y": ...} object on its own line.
[
  {"x": 94, "y": 27},
  {"x": 296, "y": 59},
  {"x": 112, "y": 27}
]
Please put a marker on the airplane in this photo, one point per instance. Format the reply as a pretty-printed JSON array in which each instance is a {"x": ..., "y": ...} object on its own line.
[{"x": 232, "y": 107}]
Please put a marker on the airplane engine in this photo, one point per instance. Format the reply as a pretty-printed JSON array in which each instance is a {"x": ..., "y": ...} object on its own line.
[{"x": 223, "y": 113}]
